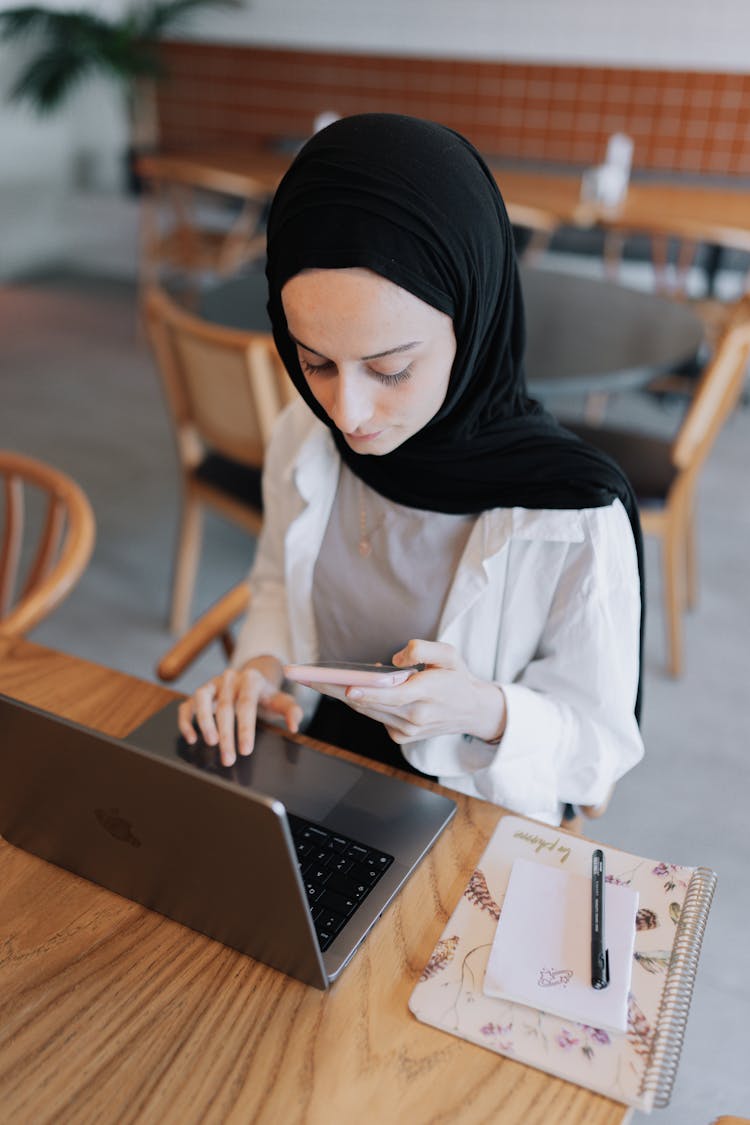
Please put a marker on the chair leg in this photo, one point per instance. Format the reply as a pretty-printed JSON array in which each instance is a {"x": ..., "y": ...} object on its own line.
[
  {"x": 691, "y": 563},
  {"x": 186, "y": 564},
  {"x": 672, "y": 562}
]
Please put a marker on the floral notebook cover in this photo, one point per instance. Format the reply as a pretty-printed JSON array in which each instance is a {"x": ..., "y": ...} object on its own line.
[{"x": 635, "y": 1066}]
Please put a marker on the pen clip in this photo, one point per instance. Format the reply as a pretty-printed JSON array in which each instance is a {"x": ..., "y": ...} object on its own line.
[{"x": 601, "y": 978}]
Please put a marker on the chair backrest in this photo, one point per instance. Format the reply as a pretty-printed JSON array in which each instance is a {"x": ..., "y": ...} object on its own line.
[
  {"x": 257, "y": 181},
  {"x": 717, "y": 392},
  {"x": 225, "y": 388},
  {"x": 199, "y": 216},
  {"x": 36, "y": 576}
]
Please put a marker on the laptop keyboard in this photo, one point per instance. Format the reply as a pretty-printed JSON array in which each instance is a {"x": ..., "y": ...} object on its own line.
[{"x": 338, "y": 874}]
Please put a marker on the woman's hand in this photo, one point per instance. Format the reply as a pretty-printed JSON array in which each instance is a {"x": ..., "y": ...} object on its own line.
[
  {"x": 443, "y": 699},
  {"x": 242, "y": 695}
]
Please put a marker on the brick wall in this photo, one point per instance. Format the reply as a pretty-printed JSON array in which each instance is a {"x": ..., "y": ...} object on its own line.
[{"x": 224, "y": 97}]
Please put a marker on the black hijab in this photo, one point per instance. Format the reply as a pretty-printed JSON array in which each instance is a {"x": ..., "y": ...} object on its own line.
[{"x": 414, "y": 202}]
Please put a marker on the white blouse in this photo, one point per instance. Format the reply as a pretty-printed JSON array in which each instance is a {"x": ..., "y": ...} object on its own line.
[{"x": 544, "y": 603}]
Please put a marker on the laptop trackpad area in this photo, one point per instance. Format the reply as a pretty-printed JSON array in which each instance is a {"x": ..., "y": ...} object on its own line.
[
  {"x": 308, "y": 783},
  {"x": 391, "y": 814}
]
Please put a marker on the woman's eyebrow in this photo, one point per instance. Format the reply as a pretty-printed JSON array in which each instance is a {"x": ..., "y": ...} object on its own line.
[{"x": 377, "y": 355}]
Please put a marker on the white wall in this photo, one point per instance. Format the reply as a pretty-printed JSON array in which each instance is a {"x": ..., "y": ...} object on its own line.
[
  {"x": 43, "y": 160},
  {"x": 686, "y": 34},
  {"x": 29, "y": 146}
]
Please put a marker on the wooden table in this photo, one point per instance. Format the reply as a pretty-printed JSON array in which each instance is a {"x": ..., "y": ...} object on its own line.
[
  {"x": 583, "y": 335},
  {"x": 703, "y": 212},
  {"x": 593, "y": 336},
  {"x": 110, "y": 1013}
]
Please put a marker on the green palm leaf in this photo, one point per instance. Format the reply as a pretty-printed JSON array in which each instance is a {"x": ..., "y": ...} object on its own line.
[
  {"x": 78, "y": 44},
  {"x": 33, "y": 19},
  {"x": 50, "y": 78},
  {"x": 170, "y": 15}
]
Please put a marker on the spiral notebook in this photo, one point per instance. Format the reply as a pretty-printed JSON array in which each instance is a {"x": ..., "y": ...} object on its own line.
[{"x": 637, "y": 1067}]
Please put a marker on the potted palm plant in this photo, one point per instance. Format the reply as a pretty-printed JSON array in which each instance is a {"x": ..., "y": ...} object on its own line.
[{"x": 74, "y": 45}]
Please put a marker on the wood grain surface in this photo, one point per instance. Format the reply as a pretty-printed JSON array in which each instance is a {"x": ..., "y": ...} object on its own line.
[{"x": 110, "y": 1013}]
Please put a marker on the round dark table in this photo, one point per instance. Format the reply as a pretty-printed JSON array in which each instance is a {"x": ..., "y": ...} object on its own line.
[{"x": 582, "y": 334}]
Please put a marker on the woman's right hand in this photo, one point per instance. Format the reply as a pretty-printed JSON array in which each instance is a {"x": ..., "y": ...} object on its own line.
[{"x": 240, "y": 694}]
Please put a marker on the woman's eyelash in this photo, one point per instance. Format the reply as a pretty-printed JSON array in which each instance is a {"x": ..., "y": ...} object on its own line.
[
  {"x": 388, "y": 380},
  {"x": 312, "y": 368},
  {"x": 397, "y": 377}
]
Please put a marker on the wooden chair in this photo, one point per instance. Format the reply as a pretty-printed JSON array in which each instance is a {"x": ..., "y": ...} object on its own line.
[
  {"x": 674, "y": 247},
  {"x": 224, "y": 389},
  {"x": 664, "y": 472},
  {"x": 536, "y": 225},
  {"x": 36, "y": 575},
  {"x": 198, "y": 220},
  {"x": 214, "y": 625}
]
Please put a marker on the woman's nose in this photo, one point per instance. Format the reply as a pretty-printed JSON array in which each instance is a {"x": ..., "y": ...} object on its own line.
[{"x": 352, "y": 405}]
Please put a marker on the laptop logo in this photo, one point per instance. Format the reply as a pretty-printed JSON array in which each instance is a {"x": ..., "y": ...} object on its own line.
[{"x": 117, "y": 826}]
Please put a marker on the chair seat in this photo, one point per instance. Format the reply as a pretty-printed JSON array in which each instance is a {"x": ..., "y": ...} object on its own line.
[
  {"x": 645, "y": 459},
  {"x": 664, "y": 472},
  {"x": 242, "y": 482}
]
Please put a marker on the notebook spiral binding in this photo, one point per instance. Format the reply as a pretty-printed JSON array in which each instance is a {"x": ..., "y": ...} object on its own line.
[{"x": 678, "y": 989}]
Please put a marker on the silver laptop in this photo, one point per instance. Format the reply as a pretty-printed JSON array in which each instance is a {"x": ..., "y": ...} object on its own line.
[{"x": 289, "y": 856}]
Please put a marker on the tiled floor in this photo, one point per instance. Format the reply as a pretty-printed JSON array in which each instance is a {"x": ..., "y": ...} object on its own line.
[{"x": 78, "y": 389}]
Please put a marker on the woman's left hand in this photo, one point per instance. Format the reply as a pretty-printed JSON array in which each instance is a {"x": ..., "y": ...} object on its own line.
[{"x": 443, "y": 699}]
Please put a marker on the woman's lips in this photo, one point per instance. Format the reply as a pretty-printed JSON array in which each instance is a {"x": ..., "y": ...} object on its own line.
[{"x": 364, "y": 437}]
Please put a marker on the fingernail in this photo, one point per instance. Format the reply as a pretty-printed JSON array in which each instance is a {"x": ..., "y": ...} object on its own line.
[
  {"x": 355, "y": 693},
  {"x": 229, "y": 760}
]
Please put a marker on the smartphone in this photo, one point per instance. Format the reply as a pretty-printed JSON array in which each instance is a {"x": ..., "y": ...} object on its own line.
[{"x": 350, "y": 675}]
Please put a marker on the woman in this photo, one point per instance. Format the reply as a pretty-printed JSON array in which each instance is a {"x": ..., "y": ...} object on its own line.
[{"x": 419, "y": 507}]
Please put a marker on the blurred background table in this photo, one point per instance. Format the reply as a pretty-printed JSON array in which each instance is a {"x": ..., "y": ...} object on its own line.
[
  {"x": 706, "y": 211},
  {"x": 682, "y": 229},
  {"x": 583, "y": 335}
]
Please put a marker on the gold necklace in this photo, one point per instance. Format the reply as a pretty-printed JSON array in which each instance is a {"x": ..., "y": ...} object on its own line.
[{"x": 364, "y": 546}]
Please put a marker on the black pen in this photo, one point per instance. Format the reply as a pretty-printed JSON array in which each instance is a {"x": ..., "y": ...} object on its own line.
[{"x": 599, "y": 955}]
